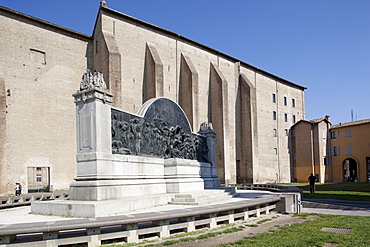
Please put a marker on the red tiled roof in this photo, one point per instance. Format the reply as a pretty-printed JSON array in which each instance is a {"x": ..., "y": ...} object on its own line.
[{"x": 365, "y": 121}]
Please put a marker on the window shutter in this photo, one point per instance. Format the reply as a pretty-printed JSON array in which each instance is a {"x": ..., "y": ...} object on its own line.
[{"x": 349, "y": 149}]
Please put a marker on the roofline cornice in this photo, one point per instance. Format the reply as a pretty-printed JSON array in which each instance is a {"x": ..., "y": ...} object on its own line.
[
  {"x": 349, "y": 124},
  {"x": 159, "y": 29},
  {"x": 46, "y": 23},
  {"x": 192, "y": 42}
]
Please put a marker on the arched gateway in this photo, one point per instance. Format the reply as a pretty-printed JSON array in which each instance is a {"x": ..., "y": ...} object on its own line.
[{"x": 350, "y": 173}]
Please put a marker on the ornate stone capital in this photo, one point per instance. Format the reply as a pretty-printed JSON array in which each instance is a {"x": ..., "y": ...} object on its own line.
[
  {"x": 93, "y": 80},
  {"x": 93, "y": 86},
  {"x": 206, "y": 129}
]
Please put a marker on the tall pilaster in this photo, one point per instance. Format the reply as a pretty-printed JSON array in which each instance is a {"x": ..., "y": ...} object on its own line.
[{"x": 93, "y": 114}]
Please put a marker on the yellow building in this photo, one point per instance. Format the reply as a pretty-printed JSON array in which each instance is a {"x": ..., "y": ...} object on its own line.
[
  {"x": 333, "y": 153},
  {"x": 350, "y": 151}
]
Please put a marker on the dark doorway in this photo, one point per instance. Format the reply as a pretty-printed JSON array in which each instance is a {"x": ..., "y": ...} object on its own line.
[{"x": 350, "y": 170}]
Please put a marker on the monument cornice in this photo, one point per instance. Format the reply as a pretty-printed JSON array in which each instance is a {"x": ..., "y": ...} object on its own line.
[{"x": 93, "y": 94}]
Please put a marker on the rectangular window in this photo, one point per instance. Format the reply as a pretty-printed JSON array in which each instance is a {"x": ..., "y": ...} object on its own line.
[
  {"x": 285, "y": 101},
  {"x": 335, "y": 151},
  {"x": 274, "y": 132},
  {"x": 348, "y": 133},
  {"x": 38, "y": 56},
  {"x": 285, "y": 117},
  {"x": 38, "y": 178},
  {"x": 275, "y": 151},
  {"x": 274, "y": 115},
  {"x": 293, "y": 102},
  {"x": 349, "y": 149},
  {"x": 293, "y": 118},
  {"x": 273, "y": 98},
  {"x": 334, "y": 134}
]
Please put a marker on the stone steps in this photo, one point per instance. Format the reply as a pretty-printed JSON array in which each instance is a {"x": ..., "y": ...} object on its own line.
[{"x": 203, "y": 197}]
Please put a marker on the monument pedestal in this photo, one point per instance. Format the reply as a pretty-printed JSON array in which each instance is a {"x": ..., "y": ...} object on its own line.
[
  {"x": 128, "y": 183},
  {"x": 118, "y": 176},
  {"x": 109, "y": 182}
]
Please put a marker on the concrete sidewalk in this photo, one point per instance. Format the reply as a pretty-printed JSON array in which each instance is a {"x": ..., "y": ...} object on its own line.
[
  {"x": 336, "y": 207},
  {"x": 336, "y": 211},
  {"x": 23, "y": 215}
]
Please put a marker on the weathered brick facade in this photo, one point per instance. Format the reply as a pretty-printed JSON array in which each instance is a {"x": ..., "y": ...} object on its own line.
[
  {"x": 310, "y": 149},
  {"x": 42, "y": 66},
  {"x": 3, "y": 170}
]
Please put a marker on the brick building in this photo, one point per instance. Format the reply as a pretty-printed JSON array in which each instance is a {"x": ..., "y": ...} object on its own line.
[
  {"x": 310, "y": 150},
  {"x": 41, "y": 66}
]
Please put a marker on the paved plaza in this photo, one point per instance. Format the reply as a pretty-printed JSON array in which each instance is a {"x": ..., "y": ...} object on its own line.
[{"x": 23, "y": 215}]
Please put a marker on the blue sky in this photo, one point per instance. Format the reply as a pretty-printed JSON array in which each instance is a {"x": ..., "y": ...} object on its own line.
[{"x": 323, "y": 45}]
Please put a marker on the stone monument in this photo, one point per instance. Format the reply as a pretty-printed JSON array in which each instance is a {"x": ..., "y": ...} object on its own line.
[{"x": 129, "y": 161}]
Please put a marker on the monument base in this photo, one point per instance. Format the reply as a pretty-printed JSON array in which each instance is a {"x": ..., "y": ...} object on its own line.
[
  {"x": 122, "y": 176},
  {"x": 94, "y": 209},
  {"x": 137, "y": 183}
]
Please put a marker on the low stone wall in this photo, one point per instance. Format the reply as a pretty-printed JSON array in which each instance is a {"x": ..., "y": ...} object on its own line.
[
  {"x": 269, "y": 187},
  {"x": 130, "y": 228},
  {"x": 291, "y": 195},
  {"x": 17, "y": 201}
]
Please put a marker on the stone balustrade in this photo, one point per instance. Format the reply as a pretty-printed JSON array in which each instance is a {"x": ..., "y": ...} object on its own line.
[
  {"x": 17, "y": 201},
  {"x": 136, "y": 226},
  {"x": 269, "y": 187}
]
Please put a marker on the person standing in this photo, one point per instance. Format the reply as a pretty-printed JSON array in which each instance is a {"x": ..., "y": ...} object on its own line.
[
  {"x": 312, "y": 180},
  {"x": 18, "y": 189}
]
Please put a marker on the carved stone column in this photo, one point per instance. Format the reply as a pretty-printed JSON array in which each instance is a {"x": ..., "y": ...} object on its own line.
[
  {"x": 93, "y": 114},
  {"x": 92, "y": 106},
  {"x": 207, "y": 131}
]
